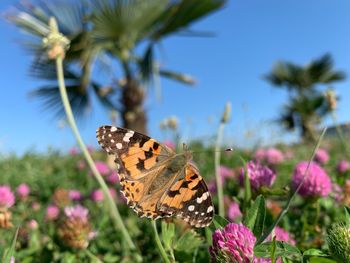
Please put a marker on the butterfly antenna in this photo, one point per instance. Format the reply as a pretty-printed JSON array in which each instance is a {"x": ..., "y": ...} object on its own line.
[{"x": 225, "y": 150}]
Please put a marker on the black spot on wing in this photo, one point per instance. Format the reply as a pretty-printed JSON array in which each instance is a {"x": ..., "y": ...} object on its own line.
[
  {"x": 195, "y": 176},
  {"x": 155, "y": 145},
  {"x": 196, "y": 187},
  {"x": 173, "y": 193},
  {"x": 184, "y": 184},
  {"x": 143, "y": 140},
  {"x": 140, "y": 165},
  {"x": 149, "y": 153}
]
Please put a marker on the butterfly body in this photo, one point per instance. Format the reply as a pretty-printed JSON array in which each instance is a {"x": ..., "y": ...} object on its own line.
[{"x": 156, "y": 181}]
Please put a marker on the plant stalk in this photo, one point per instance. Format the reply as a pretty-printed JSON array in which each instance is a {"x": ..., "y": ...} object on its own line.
[
  {"x": 70, "y": 118},
  {"x": 285, "y": 210},
  {"x": 247, "y": 186},
  {"x": 159, "y": 243},
  {"x": 217, "y": 155}
]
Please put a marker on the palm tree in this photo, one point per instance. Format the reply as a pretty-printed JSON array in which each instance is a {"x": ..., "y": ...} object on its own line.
[
  {"x": 307, "y": 104},
  {"x": 103, "y": 32}
]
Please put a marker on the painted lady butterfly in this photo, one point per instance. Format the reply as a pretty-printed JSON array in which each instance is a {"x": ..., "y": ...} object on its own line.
[{"x": 156, "y": 181}]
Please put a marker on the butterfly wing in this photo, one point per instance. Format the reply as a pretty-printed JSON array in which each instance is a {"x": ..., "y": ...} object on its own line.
[
  {"x": 156, "y": 182},
  {"x": 140, "y": 160},
  {"x": 136, "y": 152},
  {"x": 188, "y": 198}
]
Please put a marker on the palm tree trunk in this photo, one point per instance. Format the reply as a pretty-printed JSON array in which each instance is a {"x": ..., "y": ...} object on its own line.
[
  {"x": 308, "y": 132},
  {"x": 133, "y": 114}
]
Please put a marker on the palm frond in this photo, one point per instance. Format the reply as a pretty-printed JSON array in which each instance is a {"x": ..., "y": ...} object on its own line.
[
  {"x": 180, "y": 77},
  {"x": 76, "y": 86},
  {"x": 70, "y": 16},
  {"x": 29, "y": 23},
  {"x": 195, "y": 33},
  {"x": 125, "y": 22},
  {"x": 34, "y": 9},
  {"x": 146, "y": 65},
  {"x": 287, "y": 119},
  {"x": 332, "y": 76},
  {"x": 46, "y": 69},
  {"x": 304, "y": 78},
  {"x": 312, "y": 105},
  {"x": 181, "y": 14},
  {"x": 105, "y": 96},
  {"x": 321, "y": 70},
  {"x": 287, "y": 74},
  {"x": 51, "y": 100}
]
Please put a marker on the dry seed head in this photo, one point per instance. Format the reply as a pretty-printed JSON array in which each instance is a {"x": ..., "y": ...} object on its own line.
[
  {"x": 75, "y": 229},
  {"x": 189, "y": 79},
  {"x": 75, "y": 232},
  {"x": 61, "y": 197},
  {"x": 5, "y": 219},
  {"x": 170, "y": 123},
  {"x": 227, "y": 113},
  {"x": 331, "y": 98},
  {"x": 346, "y": 192},
  {"x": 55, "y": 42}
]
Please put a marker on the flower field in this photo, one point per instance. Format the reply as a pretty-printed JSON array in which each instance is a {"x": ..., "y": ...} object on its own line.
[
  {"x": 281, "y": 195},
  {"x": 54, "y": 203}
]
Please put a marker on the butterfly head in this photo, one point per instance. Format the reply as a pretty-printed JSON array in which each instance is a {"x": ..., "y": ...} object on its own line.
[{"x": 186, "y": 152}]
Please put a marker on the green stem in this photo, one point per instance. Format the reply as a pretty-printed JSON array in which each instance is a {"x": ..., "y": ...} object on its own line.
[
  {"x": 172, "y": 255},
  {"x": 285, "y": 210},
  {"x": 70, "y": 117},
  {"x": 303, "y": 230},
  {"x": 273, "y": 250},
  {"x": 247, "y": 187},
  {"x": 318, "y": 208},
  {"x": 208, "y": 236},
  {"x": 159, "y": 243},
  {"x": 217, "y": 169}
]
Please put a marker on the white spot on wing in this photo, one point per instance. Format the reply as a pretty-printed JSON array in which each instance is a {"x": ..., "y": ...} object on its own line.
[
  {"x": 205, "y": 196},
  {"x": 119, "y": 145},
  {"x": 113, "y": 129},
  {"x": 128, "y": 135},
  {"x": 191, "y": 208},
  {"x": 210, "y": 208}
]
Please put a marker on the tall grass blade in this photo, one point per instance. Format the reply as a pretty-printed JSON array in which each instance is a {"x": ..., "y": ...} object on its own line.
[
  {"x": 10, "y": 252},
  {"x": 293, "y": 194}
]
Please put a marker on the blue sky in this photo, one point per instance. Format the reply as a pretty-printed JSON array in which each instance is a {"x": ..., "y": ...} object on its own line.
[{"x": 250, "y": 37}]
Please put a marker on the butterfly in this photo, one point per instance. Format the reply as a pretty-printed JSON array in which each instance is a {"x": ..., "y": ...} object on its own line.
[{"x": 156, "y": 181}]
